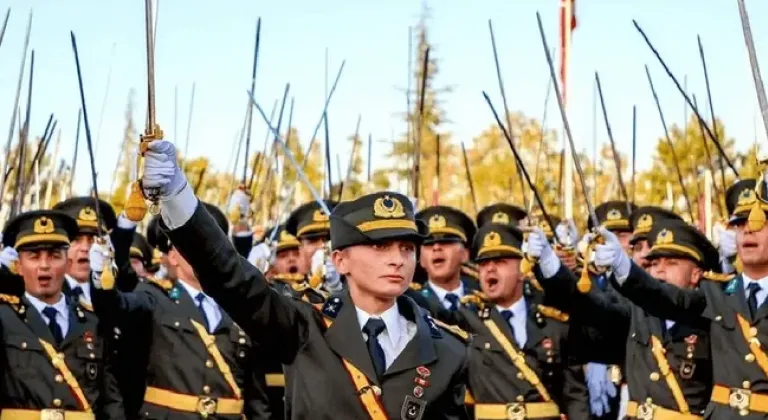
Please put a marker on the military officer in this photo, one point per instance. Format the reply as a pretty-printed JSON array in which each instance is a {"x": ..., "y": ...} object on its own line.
[
  {"x": 643, "y": 219},
  {"x": 55, "y": 362},
  {"x": 311, "y": 226},
  {"x": 198, "y": 362},
  {"x": 500, "y": 213},
  {"x": 162, "y": 246},
  {"x": 668, "y": 364},
  {"x": 732, "y": 306},
  {"x": 83, "y": 210},
  {"x": 613, "y": 216},
  {"x": 368, "y": 352},
  {"x": 141, "y": 256}
]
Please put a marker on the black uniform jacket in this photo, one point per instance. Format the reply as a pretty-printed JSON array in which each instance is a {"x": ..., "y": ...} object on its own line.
[
  {"x": 29, "y": 380},
  {"x": 322, "y": 387},
  {"x": 716, "y": 303}
]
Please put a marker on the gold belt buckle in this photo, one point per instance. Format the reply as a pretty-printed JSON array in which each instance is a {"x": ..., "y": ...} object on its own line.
[
  {"x": 206, "y": 406},
  {"x": 51, "y": 414},
  {"x": 739, "y": 399},
  {"x": 516, "y": 411},
  {"x": 645, "y": 411}
]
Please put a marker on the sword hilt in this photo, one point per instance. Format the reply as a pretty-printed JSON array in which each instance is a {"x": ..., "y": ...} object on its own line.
[{"x": 136, "y": 207}]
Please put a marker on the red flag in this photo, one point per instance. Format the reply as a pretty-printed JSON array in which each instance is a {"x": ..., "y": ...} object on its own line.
[{"x": 567, "y": 12}]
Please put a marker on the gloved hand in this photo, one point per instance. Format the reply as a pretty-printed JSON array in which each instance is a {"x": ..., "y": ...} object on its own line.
[
  {"x": 317, "y": 263},
  {"x": 600, "y": 388},
  {"x": 8, "y": 257},
  {"x": 98, "y": 255},
  {"x": 124, "y": 223},
  {"x": 611, "y": 254},
  {"x": 539, "y": 247},
  {"x": 260, "y": 256},
  {"x": 239, "y": 202},
  {"x": 332, "y": 278},
  {"x": 727, "y": 245},
  {"x": 567, "y": 235},
  {"x": 162, "y": 174}
]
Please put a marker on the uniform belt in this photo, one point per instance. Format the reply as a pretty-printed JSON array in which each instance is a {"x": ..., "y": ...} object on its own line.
[
  {"x": 48, "y": 414},
  {"x": 192, "y": 403},
  {"x": 275, "y": 379},
  {"x": 516, "y": 411},
  {"x": 649, "y": 411},
  {"x": 739, "y": 399}
]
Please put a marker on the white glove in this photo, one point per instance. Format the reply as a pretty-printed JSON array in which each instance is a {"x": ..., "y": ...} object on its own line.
[
  {"x": 98, "y": 256},
  {"x": 539, "y": 247},
  {"x": 317, "y": 263},
  {"x": 161, "y": 170},
  {"x": 8, "y": 256},
  {"x": 567, "y": 234},
  {"x": 727, "y": 246},
  {"x": 239, "y": 202},
  {"x": 162, "y": 272},
  {"x": 125, "y": 223},
  {"x": 332, "y": 278},
  {"x": 260, "y": 256},
  {"x": 611, "y": 254}
]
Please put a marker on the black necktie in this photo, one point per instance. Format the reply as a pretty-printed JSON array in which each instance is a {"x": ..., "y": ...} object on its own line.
[
  {"x": 200, "y": 298},
  {"x": 753, "y": 288},
  {"x": 453, "y": 299},
  {"x": 507, "y": 315},
  {"x": 53, "y": 325},
  {"x": 77, "y": 291},
  {"x": 372, "y": 329}
]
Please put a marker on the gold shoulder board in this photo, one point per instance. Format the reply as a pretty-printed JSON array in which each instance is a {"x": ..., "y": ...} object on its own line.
[
  {"x": 300, "y": 287},
  {"x": 473, "y": 299},
  {"x": 718, "y": 277},
  {"x": 553, "y": 313},
  {"x": 9, "y": 299},
  {"x": 161, "y": 283},
  {"x": 415, "y": 286},
  {"x": 453, "y": 329}
]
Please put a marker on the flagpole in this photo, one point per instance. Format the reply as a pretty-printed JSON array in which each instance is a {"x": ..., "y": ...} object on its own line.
[{"x": 565, "y": 36}]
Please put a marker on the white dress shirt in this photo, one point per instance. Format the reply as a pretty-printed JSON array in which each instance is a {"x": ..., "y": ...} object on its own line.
[
  {"x": 85, "y": 287},
  {"x": 761, "y": 294},
  {"x": 62, "y": 311},
  {"x": 210, "y": 307},
  {"x": 441, "y": 293},
  {"x": 518, "y": 321},
  {"x": 395, "y": 337}
]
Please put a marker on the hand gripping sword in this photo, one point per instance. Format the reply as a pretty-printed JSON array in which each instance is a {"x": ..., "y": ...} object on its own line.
[{"x": 135, "y": 206}]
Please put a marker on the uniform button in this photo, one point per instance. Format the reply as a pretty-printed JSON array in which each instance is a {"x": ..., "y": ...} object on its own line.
[
  {"x": 57, "y": 402},
  {"x": 117, "y": 331},
  {"x": 520, "y": 398},
  {"x": 241, "y": 354},
  {"x": 634, "y": 335},
  {"x": 89, "y": 346},
  {"x": 209, "y": 363},
  {"x": 206, "y": 389},
  {"x": 92, "y": 356},
  {"x": 719, "y": 318},
  {"x": 689, "y": 355},
  {"x": 241, "y": 332},
  {"x": 655, "y": 376},
  {"x": 59, "y": 378},
  {"x": 24, "y": 345},
  {"x": 487, "y": 346},
  {"x": 176, "y": 324},
  {"x": 241, "y": 340},
  {"x": 520, "y": 375},
  {"x": 749, "y": 358},
  {"x": 753, "y": 331},
  {"x": 550, "y": 360},
  {"x": 746, "y": 385}
]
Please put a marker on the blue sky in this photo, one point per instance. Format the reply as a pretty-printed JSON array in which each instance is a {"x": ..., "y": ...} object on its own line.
[{"x": 211, "y": 42}]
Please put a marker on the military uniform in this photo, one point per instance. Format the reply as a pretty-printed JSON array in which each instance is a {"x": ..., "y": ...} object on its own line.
[
  {"x": 57, "y": 368},
  {"x": 331, "y": 371},
  {"x": 500, "y": 213},
  {"x": 668, "y": 365},
  {"x": 191, "y": 370}
]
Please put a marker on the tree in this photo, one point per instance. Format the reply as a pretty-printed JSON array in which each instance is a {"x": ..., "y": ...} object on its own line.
[{"x": 127, "y": 159}]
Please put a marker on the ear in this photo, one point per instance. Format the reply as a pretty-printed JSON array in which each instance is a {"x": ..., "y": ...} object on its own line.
[
  {"x": 464, "y": 254},
  {"x": 696, "y": 276},
  {"x": 173, "y": 257},
  {"x": 340, "y": 260}
]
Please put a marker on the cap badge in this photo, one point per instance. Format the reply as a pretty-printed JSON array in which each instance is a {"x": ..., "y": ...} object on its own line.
[
  {"x": 285, "y": 236},
  {"x": 437, "y": 222},
  {"x": 613, "y": 214},
  {"x": 747, "y": 197},
  {"x": 43, "y": 225},
  {"x": 387, "y": 207},
  {"x": 87, "y": 214},
  {"x": 491, "y": 239},
  {"x": 319, "y": 216},
  {"x": 500, "y": 218},
  {"x": 665, "y": 237},
  {"x": 645, "y": 221}
]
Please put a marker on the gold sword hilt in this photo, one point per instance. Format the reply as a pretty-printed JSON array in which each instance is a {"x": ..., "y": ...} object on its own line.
[{"x": 136, "y": 206}]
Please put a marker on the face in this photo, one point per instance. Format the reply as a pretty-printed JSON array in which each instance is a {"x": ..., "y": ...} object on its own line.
[
  {"x": 138, "y": 267},
  {"x": 639, "y": 250},
  {"x": 442, "y": 260},
  {"x": 624, "y": 238},
  {"x": 308, "y": 248},
  {"x": 680, "y": 272},
  {"x": 43, "y": 272},
  {"x": 752, "y": 247},
  {"x": 381, "y": 270},
  {"x": 287, "y": 262},
  {"x": 182, "y": 269},
  {"x": 500, "y": 279},
  {"x": 170, "y": 271},
  {"x": 78, "y": 265}
]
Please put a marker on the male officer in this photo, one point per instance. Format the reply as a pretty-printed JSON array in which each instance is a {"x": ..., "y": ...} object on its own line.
[
  {"x": 668, "y": 364},
  {"x": 141, "y": 256},
  {"x": 500, "y": 213},
  {"x": 83, "y": 210},
  {"x": 643, "y": 219},
  {"x": 368, "y": 352},
  {"x": 311, "y": 226},
  {"x": 55, "y": 363}
]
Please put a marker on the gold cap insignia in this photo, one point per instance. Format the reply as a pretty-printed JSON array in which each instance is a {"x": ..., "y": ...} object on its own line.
[
  {"x": 319, "y": 216},
  {"x": 285, "y": 236},
  {"x": 43, "y": 225},
  {"x": 87, "y": 214},
  {"x": 491, "y": 239},
  {"x": 500, "y": 218},
  {"x": 437, "y": 222},
  {"x": 613, "y": 214},
  {"x": 388, "y": 208},
  {"x": 665, "y": 237},
  {"x": 645, "y": 222},
  {"x": 747, "y": 197}
]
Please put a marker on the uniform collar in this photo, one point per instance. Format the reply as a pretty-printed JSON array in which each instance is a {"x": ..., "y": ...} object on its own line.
[
  {"x": 60, "y": 306},
  {"x": 519, "y": 309},
  {"x": 85, "y": 287},
  {"x": 193, "y": 292},
  {"x": 391, "y": 318},
  {"x": 763, "y": 282},
  {"x": 441, "y": 292}
]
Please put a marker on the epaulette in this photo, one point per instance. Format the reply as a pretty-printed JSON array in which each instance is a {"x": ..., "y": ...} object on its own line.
[
  {"x": 9, "y": 299},
  {"x": 553, "y": 313},
  {"x": 315, "y": 280},
  {"x": 718, "y": 277},
  {"x": 535, "y": 283},
  {"x": 453, "y": 329},
  {"x": 288, "y": 278},
  {"x": 164, "y": 284},
  {"x": 300, "y": 287},
  {"x": 415, "y": 286},
  {"x": 332, "y": 307},
  {"x": 476, "y": 298}
]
